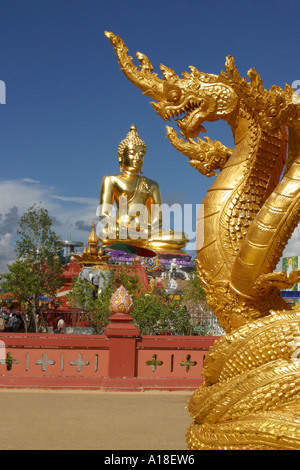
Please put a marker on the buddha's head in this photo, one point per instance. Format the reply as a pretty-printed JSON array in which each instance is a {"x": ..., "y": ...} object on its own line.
[{"x": 131, "y": 152}]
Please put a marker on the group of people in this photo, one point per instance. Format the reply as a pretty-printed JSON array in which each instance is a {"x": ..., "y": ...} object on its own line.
[{"x": 13, "y": 322}]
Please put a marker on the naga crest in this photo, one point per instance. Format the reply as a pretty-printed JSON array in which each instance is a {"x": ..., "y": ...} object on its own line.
[{"x": 250, "y": 212}]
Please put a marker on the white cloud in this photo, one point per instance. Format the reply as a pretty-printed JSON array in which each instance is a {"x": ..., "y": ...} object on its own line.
[
  {"x": 293, "y": 247},
  {"x": 30, "y": 180},
  {"x": 78, "y": 200},
  {"x": 66, "y": 211},
  {"x": 7, "y": 252}
]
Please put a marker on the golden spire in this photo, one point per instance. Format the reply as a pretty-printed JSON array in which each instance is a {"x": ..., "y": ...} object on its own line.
[
  {"x": 93, "y": 240},
  {"x": 92, "y": 256}
]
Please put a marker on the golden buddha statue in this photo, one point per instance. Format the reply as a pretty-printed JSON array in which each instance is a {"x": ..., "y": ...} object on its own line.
[{"x": 138, "y": 203}]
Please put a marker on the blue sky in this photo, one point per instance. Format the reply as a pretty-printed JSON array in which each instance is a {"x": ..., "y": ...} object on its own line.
[{"x": 68, "y": 105}]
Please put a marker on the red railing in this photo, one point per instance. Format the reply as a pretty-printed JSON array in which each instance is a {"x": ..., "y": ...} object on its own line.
[{"x": 121, "y": 359}]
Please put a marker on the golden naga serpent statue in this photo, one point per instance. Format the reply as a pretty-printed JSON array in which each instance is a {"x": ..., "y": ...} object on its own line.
[{"x": 250, "y": 395}]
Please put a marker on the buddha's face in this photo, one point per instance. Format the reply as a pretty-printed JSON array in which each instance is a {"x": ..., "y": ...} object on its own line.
[{"x": 133, "y": 157}]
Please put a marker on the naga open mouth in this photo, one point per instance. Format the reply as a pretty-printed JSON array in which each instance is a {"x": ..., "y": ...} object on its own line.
[
  {"x": 191, "y": 124},
  {"x": 189, "y": 116}
]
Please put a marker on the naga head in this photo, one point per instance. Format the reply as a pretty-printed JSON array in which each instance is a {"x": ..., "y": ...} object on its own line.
[
  {"x": 199, "y": 97},
  {"x": 190, "y": 100},
  {"x": 194, "y": 99}
]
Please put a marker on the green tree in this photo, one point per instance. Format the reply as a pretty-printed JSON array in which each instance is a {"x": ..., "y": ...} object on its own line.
[
  {"x": 95, "y": 306},
  {"x": 152, "y": 313},
  {"x": 37, "y": 272},
  {"x": 195, "y": 300},
  {"x": 194, "y": 292}
]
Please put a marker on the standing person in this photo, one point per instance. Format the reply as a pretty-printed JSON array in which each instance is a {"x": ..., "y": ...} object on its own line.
[
  {"x": 61, "y": 326},
  {"x": 9, "y": 323}
]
